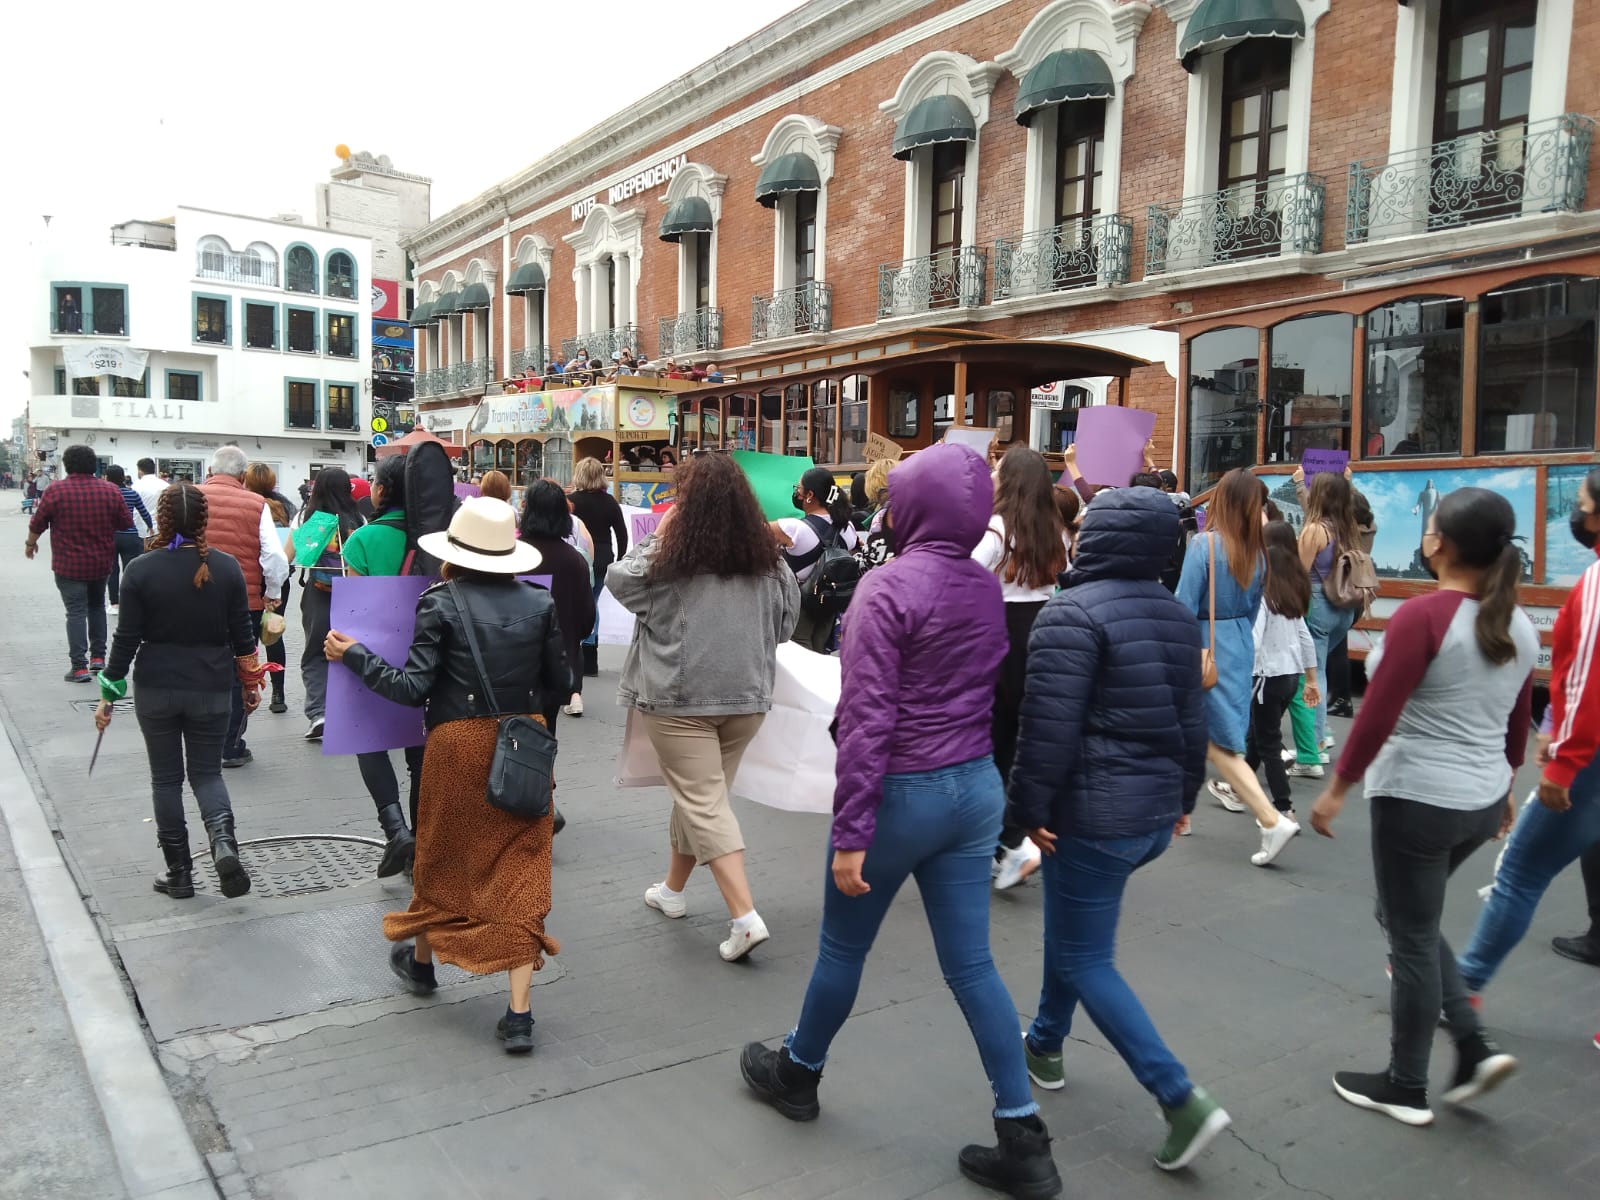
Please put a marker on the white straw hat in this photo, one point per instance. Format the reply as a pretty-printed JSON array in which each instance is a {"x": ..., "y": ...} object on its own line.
[{"x": 482, "y": 537}]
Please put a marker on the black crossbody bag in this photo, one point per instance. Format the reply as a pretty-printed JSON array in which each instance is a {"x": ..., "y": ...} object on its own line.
[{"x": 521, "y": 774}]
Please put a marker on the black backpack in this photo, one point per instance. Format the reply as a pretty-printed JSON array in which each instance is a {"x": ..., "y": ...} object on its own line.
[{"x": 834, "y": 575}]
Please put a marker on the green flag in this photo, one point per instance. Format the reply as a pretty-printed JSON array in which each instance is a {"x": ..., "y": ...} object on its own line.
[{"x": 773, "y": 476}]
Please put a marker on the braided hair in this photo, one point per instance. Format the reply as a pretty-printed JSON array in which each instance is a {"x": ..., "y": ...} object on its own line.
[{"x": 181, "y": 511}]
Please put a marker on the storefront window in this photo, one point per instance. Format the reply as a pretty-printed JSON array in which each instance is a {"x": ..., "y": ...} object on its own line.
[
  {"x": 853, "y": 419},
  {"x": 1413, "y": 389},
  {"x": 1224, "y": 373},
  {"x": 824, "y": 420},
  {"x": 1536, "y": 376},
  {"x": 771, "y": 435},
  {"x": 904, "y": 412},
  {"x": 1308, "y": 386},
  {"x": 796, "y": 429}
]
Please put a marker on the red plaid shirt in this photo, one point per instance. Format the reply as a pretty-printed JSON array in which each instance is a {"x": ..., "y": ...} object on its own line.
[{"x": 82, "y": 514}]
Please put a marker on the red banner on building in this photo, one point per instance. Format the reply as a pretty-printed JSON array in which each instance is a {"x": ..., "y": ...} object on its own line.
[{"x": 385, "y": 298}]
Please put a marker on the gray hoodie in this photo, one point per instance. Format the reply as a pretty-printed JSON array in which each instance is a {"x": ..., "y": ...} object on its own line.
[{"x": 704, "y": 646}]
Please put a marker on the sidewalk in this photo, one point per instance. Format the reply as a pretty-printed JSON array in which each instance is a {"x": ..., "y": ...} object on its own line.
[{"x": 304, "y": 1072}]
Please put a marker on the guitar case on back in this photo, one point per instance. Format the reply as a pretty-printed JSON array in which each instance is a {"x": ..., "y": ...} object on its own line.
[{"x": 430, "y": 503}]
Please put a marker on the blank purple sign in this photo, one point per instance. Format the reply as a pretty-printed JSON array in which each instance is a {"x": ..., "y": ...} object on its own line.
[
  {"x": 1111, "y": 442},
  {"x": 1324, "y": 462},
  {"x": 380, "y": 613}
]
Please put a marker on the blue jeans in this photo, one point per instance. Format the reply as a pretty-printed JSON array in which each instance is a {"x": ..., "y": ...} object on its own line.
[
  {"x": 1329, "y": 626},
  {"x": 1541, "y": 846},
  {"x": 1083, "y": 884},
  {"x": 939, "y": 826},
  {"x": 594, "y": 634}
]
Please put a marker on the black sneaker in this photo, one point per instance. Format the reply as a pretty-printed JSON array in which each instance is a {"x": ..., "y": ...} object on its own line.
[
  {"x": 1340, "y": 708},
  {"x": 516, "y": 1031},
  {"x": 781, "y": 1082},
  {"x": 78, "y": 675},
  {"x": 237, "y": 760},
  {"x": 1406, "y": 1105},
  {"x": 1481, "y": 1066},
  {"x": 277, "y": 705},
  {"x": 97, "y": 663},
  {"x": 1020, "y": 1166},
  {"x": 1584, "y": 949},
  {"x": 417, "y": 976}
]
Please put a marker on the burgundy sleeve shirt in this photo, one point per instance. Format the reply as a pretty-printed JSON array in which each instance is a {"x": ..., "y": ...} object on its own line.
[{"x": 82, "y": 514}]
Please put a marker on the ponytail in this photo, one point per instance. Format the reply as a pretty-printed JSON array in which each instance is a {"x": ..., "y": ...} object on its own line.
[{"x": 1497, "y": 604}]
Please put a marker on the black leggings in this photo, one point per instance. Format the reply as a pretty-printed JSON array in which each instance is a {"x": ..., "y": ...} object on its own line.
[
  {"x": 1264, "y": 742},
  {"x": 1338, "y": 682},
  {"x": 1003, "y": 726},
  {"x": 377, "y": 772},
  {"x": 278, "y": 652}
]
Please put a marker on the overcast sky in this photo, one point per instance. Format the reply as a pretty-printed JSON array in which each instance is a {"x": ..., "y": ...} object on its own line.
[{"x": 117, "y": 112}]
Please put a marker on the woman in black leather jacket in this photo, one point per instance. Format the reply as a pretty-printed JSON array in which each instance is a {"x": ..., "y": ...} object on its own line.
[{"x": 481, "y": 881}]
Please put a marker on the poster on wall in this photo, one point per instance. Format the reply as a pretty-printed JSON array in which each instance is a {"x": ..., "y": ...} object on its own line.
[
  {"x": 1564, "y": 560},
  {"x": 644, "y": 416},
  {"x": 570, "y": 410},
  {"x": 1403, "y": 501},
  {"x": 385, "y": 299},
  {"x": 392, "y": 347}
]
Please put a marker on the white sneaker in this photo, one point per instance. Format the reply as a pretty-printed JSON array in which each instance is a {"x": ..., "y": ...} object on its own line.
[
  {"x": 672, "y": 906},
  {"x": 1288, "y": 756},
  {"x": 1327, "y": 743},
  {"x": 1274, "y": 840},
  {"x": 314, "y": 731},
  {"x": 114, "y": 609},
  {"x": 1016, "y": 865},
  {"x": 1305, "y": 771},
  {"x": 575, "y": 709},
  {"x": 740, "y": 944},
  {"x": 1224, "y": 794}
]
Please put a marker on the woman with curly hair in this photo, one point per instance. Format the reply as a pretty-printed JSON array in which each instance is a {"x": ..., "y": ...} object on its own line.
[
  {"x": 186, "y": 615},
  {"x": 712, "y": 555}
]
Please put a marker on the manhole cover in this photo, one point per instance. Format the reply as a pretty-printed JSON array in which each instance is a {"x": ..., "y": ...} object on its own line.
[
  {"x": 297, "y": 866},
  {"x": 119, "y": 706}
]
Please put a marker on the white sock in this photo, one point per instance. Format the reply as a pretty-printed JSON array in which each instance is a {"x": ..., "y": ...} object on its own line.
[
  {"x": 745, "y": 923},
  {"x": 666, "y": 892}
]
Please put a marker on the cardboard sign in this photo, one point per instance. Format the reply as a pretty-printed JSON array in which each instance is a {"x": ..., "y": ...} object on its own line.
[
  {"x": 879, "y": 447},
  {"x": 1111, "y": 442},
  {"x": 1324, "y": 462}
]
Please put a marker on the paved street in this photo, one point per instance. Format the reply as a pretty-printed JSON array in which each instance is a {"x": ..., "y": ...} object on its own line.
[{"x": 304, "y": 1073}]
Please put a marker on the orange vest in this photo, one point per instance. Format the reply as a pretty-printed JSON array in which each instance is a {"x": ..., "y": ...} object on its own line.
[{"x": 234, "y": 527}]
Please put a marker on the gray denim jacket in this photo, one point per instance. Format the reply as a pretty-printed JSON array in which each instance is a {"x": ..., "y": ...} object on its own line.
[{"x": 703, "y": 646}]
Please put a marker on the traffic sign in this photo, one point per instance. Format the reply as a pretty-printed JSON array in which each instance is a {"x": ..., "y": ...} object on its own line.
[
  {"x": 379, "y": 439},
  {"x": 379, "y": 425}
]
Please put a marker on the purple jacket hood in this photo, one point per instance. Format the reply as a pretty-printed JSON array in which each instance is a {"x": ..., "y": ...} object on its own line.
[{"x": 923, "y": 640}]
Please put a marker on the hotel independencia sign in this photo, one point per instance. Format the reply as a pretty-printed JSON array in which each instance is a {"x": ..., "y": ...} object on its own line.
[{"x": 646, "y": 180}]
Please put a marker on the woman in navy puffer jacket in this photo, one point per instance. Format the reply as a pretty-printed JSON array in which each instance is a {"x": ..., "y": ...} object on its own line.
[
  {"x": 1111, "y": 753},
  {"x": 918, "y": 796}
]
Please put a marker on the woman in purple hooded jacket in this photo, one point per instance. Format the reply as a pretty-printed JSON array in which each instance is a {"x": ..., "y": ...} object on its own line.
[{"x": 918, "y": 796}]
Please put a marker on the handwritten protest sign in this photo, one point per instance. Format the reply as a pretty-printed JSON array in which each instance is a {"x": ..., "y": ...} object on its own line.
[
  {"x": 1324, "y": 462},
  {"x": 879, "y": 446},
  {"x": 1111, "y": 442}
]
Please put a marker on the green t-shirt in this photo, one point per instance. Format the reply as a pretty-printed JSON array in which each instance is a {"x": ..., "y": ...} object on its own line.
[{"x": 378, "y": 547}]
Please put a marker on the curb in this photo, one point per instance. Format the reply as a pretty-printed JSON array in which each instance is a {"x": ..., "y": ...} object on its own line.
[{"x": 155, "y": 1154}]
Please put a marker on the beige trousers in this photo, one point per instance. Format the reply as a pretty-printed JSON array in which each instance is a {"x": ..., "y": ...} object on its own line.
[{"x": 699, "y": 758}]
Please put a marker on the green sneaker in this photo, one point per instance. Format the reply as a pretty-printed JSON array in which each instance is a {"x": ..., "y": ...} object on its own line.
[
  {"x": 1044, "y": 1069},
  {"x": 1191, "y": 1128}
]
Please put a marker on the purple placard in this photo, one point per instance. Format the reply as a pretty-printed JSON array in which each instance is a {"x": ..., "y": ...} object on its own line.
[
  {"x": 379, "y": 612},
  {"x": 1324, "y": 462},
  {"x": 644, "y": 524},
  {"x": 1111, "y": 442},
  {"x": 466, "y": 490}
]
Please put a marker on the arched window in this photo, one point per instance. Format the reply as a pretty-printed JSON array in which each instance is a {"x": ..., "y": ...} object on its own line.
[
  {"x": 214, "y": 255},
  {"x": 1308, "y": 385},
  {"x": 1412, "y": 399},
  {"x": 300, "y": 273},
  {"x": 1224, "y": 375},
  {"x": 1536, "y": 366},
  {"x": 341, "y": 275}
]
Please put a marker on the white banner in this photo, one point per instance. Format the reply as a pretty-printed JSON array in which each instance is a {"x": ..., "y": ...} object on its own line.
[
  {"x": 446, "y": 420},
  {"x": 85, "y": 361}
]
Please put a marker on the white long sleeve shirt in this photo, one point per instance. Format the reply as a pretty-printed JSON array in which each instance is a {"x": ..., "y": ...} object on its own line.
[
  {"x": 274, "y": 563},
  {"x": 1283, "y": 645}
]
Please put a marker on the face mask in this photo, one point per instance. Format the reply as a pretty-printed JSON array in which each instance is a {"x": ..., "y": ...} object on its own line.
[
  {"x": 797, "y": 498},
  {"x": 1579, "y": 522}
]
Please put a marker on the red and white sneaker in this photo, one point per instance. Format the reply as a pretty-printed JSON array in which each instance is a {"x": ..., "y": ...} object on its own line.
[{"x": 1597, "y": 1041}]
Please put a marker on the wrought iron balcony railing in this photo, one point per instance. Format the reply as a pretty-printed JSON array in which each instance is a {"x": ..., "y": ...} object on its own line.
[
  {"x": 431, "y": 383},
  {"x": 602, "y": 343},
  {"x": 1257, "y": 219},
  {"x": 237, "y": 268},
  {"x": 471, "y": 376},
  {"x": 1073, "y": 255},
  {"x": 804, "y": 308},
  {"x": 948, "y": 279},
  {"x": 528, "y": 357},
  {"x": 691, "y": 332},
  {"x": 1525, "y": 168}
]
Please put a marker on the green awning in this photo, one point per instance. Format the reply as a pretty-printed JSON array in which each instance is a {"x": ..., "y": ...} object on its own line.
[
  {"x": 785, "y": 174},
  {"x": 1061, "y": 77},
  {"x": 932, "y": 121},
  {"x": 528, "y": 278},
  {"x": 1218, "y": 24},
  {"x": 689, "y": 215},
  {"x": 422, "y": 314},
  {"x": 475, "y": 297},
  {"x": 449, "y": 304}
]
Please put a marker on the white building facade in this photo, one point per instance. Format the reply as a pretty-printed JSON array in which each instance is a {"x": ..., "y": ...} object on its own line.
[{"x": 177, "y": 337}]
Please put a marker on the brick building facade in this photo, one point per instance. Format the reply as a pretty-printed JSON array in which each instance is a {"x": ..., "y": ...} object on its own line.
[{"x": 1114, "y": 173}]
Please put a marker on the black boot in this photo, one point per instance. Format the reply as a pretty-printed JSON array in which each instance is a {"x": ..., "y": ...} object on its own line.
[
  {"x": 402, "y": 847},
  {"x": 178, "y": 882},
  {"x": 781, "y": 1082},
  {"x": 419, "y": 977},
  {"x": 278, "y": 705},
  {"x": 591, "y": 659},
  {"x": 1020, "y": 1165},
  {"x": 560, "y": 821},
  {"x": 235, "y": 880}
]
